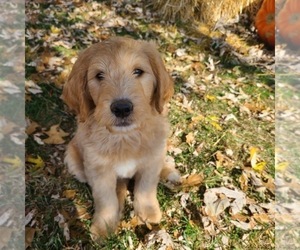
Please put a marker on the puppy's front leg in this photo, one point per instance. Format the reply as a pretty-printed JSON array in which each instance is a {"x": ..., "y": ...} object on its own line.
[
  {"x": 145, "y": 203},
  {"x": 106, "y": 216}
]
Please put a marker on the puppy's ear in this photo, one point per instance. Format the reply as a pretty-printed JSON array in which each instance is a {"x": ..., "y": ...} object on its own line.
[
  {"x": 75, "y": 92},
  {"x": 164, "y": 88}
]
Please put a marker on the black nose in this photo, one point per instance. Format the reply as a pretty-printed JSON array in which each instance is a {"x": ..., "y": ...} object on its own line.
[{"x": 121, "y": 108}]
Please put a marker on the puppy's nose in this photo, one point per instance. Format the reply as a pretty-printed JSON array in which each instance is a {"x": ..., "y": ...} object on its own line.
[{"x": 121, "y": 108}]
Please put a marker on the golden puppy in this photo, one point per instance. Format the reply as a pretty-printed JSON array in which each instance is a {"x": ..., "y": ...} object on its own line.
[{"x": 119, "y": 89}]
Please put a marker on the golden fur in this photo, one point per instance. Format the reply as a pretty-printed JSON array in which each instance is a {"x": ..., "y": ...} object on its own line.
[{"x": 107, "y": 148}]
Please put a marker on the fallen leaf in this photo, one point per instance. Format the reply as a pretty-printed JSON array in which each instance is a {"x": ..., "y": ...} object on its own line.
[
  {"x": 63, "y": 224},
  {"x": 32, "y": 87},
  {"x": 29, "y": 236},
  {"x": 244, "y": 225},
  {"x": 55, "y": 30},
  {"x": 184, "y": 200},
  {"x": 253, "y": 156},
  {"x": 31, "y": 128},
  {"x": 214, "y": 121},
  {"x": 213, "y": 197},
  {"x": 37, "y": 138},
  {"x": 37, "y": 162},
  {"x": 132, "y": 224},
  {"x": 243, "y": 179},
  {"x": 259, "y": 167},
  {"x": 56, "y": 135},
  {"x": 210, "y": 98},
  {"x": 192, "y": 180},
  {"x": 216, "y": 125},
  {"x": 223, "y": 160},
  {"x": 262, "y": 218},
  {"x": 161, "y": 237},
  {"x": 217, "y": 207},
  {"x": 82, "y": 212},
  {"x": 255, "y": 107},
  {"x": 29, "y": 217},
  {"x": 190, "y": 139},
  {"x": 270, "y": 185},
  {"x": 70, "y": 194},
  {"x": 240, "y": 217},
  {"x": 196, "y": 120},
  {"x": 208, "y": 225},
  {"x": 230, "y": 117}
]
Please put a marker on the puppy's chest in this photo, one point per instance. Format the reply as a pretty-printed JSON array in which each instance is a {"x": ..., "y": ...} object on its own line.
[{"x": 125, "y": 169}]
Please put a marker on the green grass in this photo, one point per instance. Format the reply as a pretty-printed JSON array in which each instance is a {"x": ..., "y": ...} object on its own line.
[{"x": 46, "y": 186}]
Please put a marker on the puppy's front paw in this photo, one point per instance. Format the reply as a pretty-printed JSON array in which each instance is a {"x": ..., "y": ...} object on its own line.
[
  {"x": 147, "y": 212},
  {"x": 102, "y": 227},
  {"x": 169, "y": 173}
]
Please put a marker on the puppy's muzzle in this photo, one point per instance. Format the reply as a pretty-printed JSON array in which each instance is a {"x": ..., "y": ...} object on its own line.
[{"x": 121, "y": 108}]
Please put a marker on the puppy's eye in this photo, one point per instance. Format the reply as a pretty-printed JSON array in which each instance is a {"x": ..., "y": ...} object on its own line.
[
  {"x": 138, "y": 72},
  {"x": 100, "y": 76}
]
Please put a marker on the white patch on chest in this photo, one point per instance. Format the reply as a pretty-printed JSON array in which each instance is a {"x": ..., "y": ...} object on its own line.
[{"x": 125, "y": 169}]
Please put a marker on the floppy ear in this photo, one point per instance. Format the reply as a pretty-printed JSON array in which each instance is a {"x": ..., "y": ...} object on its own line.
[
  {"x": 164, "y": 87},
  {"x": 75, "y": 92}
]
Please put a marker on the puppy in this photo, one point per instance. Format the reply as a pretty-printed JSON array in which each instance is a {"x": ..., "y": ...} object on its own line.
[{"x": 119, "y": 89}]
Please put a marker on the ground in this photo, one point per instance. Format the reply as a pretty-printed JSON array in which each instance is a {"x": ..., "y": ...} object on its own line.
[{"x": 222, "y": 136}]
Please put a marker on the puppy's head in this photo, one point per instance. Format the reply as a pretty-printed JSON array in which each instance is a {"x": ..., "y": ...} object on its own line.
[{"x": 120, "y": 82}]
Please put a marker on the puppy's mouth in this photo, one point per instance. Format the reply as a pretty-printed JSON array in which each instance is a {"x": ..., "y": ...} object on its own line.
[
  {"x": 123, "y": 123},
  {"x": 122, "y": 109},
  {"x": 123, "y": 126}
]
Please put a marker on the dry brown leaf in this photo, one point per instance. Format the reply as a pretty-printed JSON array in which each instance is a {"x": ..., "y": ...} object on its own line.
[
  {"x": 190, "y": 139},
  {"x": 255, "y": 107},
  {"x": 216, "y": 199},
  {"x": 32, "y": 88},
  {"x": 61, "y": 219},
  {"x": 132, "y": 224},
  {"x": 184, "y": 200},
  {"x": 244, "y": 181},
  {"x": 208, "y": 225},
  {"x": 262, "y": 218},
  {"x": 270, "y": 185},
  {"x": 161, "y": 237},
  {"x": 31, "y": 128},
  {"x": 244, "y": 225},
  {"x": 256, "y": 209},
  {"x": 56, "y": 135},
  {"x": 29, "y": 236},
  {"x": 192, "y": 180},
  {"x": 217, "y": 207},
  {"x": 223, "y": 160},
  {"x": 239, "y": 217},
  {"x": 70, "y": 194},
  {"x": 82, "y": 212},
  {"x": 196, "y": 120}
]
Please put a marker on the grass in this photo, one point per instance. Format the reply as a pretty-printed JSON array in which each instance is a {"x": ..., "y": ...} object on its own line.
[{"x": 197, "y": 111}]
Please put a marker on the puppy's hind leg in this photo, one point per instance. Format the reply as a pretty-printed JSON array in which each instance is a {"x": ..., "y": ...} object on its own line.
[{"x": 74, "y": 162}]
